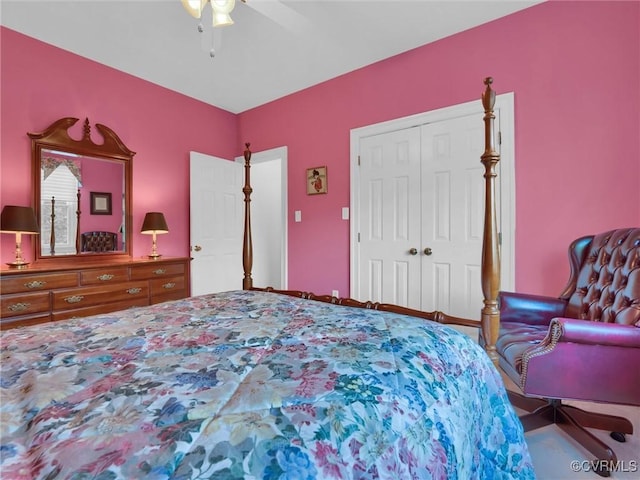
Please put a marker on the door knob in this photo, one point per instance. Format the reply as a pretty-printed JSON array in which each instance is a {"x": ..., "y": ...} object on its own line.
[
  {"x": 428, "y": 251},
  {"x": 197, "y": 248},
  {"x": 413, "y": 251}
]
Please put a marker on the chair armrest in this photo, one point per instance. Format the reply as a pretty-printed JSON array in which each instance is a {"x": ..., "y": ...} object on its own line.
[
  {"x": 596, "y": 333},
  {"x": 530, "y": 309}
]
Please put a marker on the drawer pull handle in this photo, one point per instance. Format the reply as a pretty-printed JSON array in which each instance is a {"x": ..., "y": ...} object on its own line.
[
  {"x": 74, "y": 299},
  {"x": 19, "y": 307},
  {"x": 35, "y": 284},
  {"x": 160, "y": 271},
  {"x": 169, "y": 285},
  {"x": 105, "y": 277},
  {"x": 133, "y": 291}
]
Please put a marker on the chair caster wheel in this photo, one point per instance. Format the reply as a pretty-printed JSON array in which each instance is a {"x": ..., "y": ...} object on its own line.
[{"x": 618, "y": 437}]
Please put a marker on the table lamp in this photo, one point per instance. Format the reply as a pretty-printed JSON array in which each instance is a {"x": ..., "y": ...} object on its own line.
[
  {"x": 154, "y": 223},
  {"x": 18, "y": 220}
]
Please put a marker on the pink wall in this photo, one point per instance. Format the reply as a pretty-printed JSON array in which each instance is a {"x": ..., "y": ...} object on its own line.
[
  {"x": 160, "y": 125},
  {"x": 574, "y": 68}
]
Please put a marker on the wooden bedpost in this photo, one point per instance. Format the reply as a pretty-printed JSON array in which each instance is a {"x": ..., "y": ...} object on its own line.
[
  {"x": 78, "y": 212},
  {"x": 52, "y": 236},
  {"x": 247, "y": 245},
  {"x": 490, "y": 319}
]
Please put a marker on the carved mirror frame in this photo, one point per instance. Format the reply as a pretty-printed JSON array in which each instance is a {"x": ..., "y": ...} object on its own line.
[{"x": 56, "y": 138}]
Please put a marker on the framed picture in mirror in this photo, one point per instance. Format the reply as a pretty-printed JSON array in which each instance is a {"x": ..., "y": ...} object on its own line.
[{"x": 100, "y": 203}]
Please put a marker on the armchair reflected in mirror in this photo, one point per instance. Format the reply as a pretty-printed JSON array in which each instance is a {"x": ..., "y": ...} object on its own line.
[{"x": 99, "y": 242}]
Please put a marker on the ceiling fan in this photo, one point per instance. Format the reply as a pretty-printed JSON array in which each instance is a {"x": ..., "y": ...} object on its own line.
[
  {"x": 221, "y": 17},
  {"x": 221, "y": 10}
]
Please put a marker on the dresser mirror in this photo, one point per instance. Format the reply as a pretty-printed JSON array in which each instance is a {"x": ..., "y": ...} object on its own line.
[{"x": 82, "y": 192}]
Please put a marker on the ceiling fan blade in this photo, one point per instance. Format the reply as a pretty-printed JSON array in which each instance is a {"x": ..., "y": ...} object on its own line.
[{"x": 280, "y": 13}]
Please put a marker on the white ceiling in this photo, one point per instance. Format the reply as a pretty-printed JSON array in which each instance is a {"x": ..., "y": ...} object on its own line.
[{"x": 274, "y": 48}]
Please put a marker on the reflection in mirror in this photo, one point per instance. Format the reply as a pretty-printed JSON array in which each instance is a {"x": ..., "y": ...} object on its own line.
[
  {"x": 67, "y": 182},
  {"x": 82, "y": 192}
]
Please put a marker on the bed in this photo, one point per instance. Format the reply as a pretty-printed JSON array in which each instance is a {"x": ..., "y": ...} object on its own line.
[{"x": 262, "y": 384}]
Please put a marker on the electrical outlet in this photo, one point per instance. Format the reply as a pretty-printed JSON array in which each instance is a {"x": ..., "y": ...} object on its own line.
[{"x": 335, "y": 293}]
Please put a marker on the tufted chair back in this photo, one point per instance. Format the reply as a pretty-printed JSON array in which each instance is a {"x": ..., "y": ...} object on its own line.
[
  {"x": 605, "y": 278},
  {"x": 99, "y": 241}
]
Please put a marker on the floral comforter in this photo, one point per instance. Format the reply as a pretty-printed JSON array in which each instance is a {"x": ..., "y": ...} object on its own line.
[{"x": 253, "y": 385}]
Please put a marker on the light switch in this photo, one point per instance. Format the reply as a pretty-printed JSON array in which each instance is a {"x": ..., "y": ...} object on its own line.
[
  {"x": 345, "y": 213},
  {"x": 297, "y": 215}
]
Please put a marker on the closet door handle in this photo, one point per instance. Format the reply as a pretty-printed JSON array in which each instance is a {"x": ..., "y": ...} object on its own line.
[
  {"x": 428, "y": 251},
  {"x": 413, "y": 251}
]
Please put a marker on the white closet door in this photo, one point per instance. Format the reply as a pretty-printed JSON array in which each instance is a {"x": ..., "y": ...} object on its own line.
[
  {"x": 390, "y": 217},
  {"x": 448, "y": 176},
  {"x": 422, "y": 188},
  {"x": 453, "y": 215}
]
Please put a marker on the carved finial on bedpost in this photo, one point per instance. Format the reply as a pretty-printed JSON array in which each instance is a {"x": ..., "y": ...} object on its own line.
[
  {"x": 490, "y": 319},
  {"x": 247, "y": 245}
]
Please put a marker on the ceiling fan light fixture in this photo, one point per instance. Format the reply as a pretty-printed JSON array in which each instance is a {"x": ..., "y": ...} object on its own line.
[
  {"x": 194, "y": 7},
  {"x": 221, "y": 19},
  {"x": 221, "y": 11}
]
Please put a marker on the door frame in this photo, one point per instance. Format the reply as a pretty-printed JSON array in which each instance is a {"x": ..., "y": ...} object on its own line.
[
  {"x": 278, "y": 153},
  {"x": 505, "y": 198}
]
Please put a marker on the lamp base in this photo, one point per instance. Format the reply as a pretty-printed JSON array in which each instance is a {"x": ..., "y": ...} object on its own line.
[
  {"x": 18, "y": 265},
  {"x": 154, "y": 256}
]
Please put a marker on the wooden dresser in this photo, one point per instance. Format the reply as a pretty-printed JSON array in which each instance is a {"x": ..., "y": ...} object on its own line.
[{"x": 47, "y": 293}]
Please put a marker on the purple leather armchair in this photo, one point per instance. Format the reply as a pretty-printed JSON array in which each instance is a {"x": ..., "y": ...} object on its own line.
[{"x": 584, "y": 345}]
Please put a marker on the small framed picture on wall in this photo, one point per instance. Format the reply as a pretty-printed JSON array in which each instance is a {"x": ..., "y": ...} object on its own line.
[
  {"x": 100, "y": 203},
  {"x": 316, "y": 180}
]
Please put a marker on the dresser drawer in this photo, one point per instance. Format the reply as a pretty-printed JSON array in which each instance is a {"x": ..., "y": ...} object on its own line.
[
  {"x": 144, "y": 272},
  {"x": 25, "y": 304},
  {"x": 104, "y": 276},
  {"x": 99, "y": 309},
  {"x": 162, "y": 286},
  {"x": 37, "y": 282},
  {"x": 13, "y": 322},
  {"x": 87, "y": 296}
]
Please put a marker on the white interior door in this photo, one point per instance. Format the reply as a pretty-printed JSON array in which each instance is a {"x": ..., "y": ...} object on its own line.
[
  {"x": 217, "y": 216},
  {"x": 390, "y": 217},
  {"x": 452, "y": 215}
]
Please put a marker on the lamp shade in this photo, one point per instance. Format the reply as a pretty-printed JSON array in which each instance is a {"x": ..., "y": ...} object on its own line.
[
  {"x": 15, "y": 219},
  {"x": 221, "y": 11},
  {"x": 194, "y": 7},
  {"x": 154, "y": 222}
]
